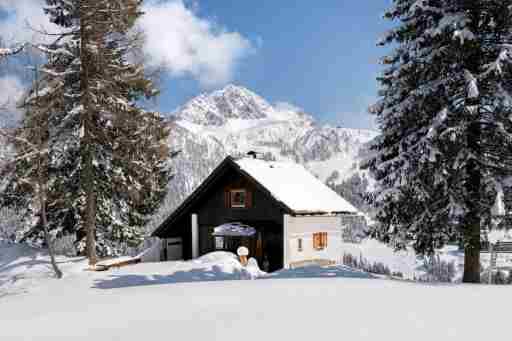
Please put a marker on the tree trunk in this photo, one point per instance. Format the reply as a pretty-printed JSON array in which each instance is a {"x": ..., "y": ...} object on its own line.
[
  {"x": 472, "y": 221},
  {"x": 90, "y": 225},
  {"x": 87, "y": 175},
  {"x": 47, "y": 238},
  {"x": 42, "y": 191},
  {"x": 472, "y": 256},
  {"x": 87, "y": 180}
]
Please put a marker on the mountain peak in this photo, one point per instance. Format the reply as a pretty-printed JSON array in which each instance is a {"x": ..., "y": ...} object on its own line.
[
  {"x": 232, "y": 89},
  {"x": 234, "y": 120},
  {"x": 231, "y": 102}
]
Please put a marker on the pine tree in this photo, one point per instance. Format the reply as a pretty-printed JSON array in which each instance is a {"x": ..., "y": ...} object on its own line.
[
  {"x": 445, "y": 116},
  {"x": 124, "y": 172},
  {"x": 56, "y": 102},
  {"x": 29, "y": 168},
  {"x": 107, "y": 158}
]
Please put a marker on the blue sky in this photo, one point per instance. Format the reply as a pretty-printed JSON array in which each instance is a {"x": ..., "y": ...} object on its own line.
[{"x": 322, "y": 58}]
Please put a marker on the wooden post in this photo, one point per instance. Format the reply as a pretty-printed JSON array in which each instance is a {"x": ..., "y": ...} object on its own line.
[
  {"x": 195, "y": 236},
  {"x": 491, "y": 262},
  {"x": 286, "y": 222}
]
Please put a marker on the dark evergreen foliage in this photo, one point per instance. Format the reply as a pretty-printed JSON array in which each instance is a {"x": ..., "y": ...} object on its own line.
[
  {"x": 98, "y": 138},
  {"x": 445, "y": 115}
]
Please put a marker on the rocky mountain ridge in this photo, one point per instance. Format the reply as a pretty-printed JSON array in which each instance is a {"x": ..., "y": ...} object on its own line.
[{"x": 234, "y": 120}]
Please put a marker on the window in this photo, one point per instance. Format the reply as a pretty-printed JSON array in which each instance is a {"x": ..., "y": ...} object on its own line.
[
  {"x": 299, "y": 244},
  {"x": 320, "y": 240},
  {"x": 238, "y": 198},
  {"x": 219, "y": 243}
]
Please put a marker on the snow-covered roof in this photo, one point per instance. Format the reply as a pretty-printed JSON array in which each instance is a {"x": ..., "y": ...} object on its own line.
[
  {"x": 234, "y": 230},
  {"x": 295, "y": 186}
]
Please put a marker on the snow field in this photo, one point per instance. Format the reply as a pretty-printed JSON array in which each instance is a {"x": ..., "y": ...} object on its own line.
[{"x": 204, "y": 298}]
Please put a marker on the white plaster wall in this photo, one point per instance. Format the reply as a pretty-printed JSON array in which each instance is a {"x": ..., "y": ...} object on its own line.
[{"x": 304, "y": 227}]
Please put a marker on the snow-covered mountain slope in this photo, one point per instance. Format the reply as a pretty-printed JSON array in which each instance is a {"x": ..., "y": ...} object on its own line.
[{"x": 234, "y": 120}]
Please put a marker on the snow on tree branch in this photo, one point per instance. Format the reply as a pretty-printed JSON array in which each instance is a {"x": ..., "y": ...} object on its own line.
[{"x": 5, "y": 52}]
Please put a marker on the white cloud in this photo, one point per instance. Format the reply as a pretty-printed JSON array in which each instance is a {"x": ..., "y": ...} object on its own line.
[
  {"x": 187, "y": 45},
  {"x": 23, "y": 16},
  {"x": 11, "y": 91}
]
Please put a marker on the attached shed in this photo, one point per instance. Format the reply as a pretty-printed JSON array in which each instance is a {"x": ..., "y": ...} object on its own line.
[{"x": 295, "y": 217}]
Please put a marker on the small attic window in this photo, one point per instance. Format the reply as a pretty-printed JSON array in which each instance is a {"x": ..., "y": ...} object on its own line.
[{"x": 238, "y": 198}]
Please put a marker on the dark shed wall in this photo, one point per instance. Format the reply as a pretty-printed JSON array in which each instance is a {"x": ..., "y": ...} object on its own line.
[
  {"x": 265, "y": 213},
  {"x": 183, "y": 228},
  {"x": 212, "y": 211}
]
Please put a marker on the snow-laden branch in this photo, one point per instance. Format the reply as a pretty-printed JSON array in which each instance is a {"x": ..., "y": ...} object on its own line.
[
  {"x": 4, "y": 52},
  {"x": 18, "y": 139}
]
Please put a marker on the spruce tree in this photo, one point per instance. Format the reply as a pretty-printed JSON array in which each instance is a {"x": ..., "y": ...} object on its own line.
[
  {"x": 54, "y": 101},
  {"x": 30, "y": 166},
  {"x": 107, "y": 158},
  {"x": 445, "y": 116},
  {"x": 123, "y": 148}
]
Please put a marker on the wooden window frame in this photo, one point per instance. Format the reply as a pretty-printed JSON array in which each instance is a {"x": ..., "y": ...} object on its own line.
[
  {"x": 232, "y": 193},
  {"x": 216, "y": 239},
  {"x": 320, "y": 240}
]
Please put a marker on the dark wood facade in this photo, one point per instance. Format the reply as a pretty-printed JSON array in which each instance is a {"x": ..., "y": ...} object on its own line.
[{"x": 211, "y": 203}]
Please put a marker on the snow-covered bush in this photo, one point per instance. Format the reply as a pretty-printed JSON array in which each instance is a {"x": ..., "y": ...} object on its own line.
[
  {"x": 499, "y": 277},
  {"x": 397, "y": 274},
  {"x": 362, "y": 263},
  {"x": 10, "y": 223},
  {"x": 65, "y": 246},
  {"x": 437, "y": 270},
  {"x": 355, "y": 228},
  {"x": 353, "y": 233}
]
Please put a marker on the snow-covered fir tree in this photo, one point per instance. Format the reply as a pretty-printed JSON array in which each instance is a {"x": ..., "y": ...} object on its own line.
[
  {"x": 107, "y": 158},
  {"x": 27, "y": 172},
  {"x": 124, "y": 171},
  {"x": 52, "y": 102},
  {"x": 445, "y": 114}
]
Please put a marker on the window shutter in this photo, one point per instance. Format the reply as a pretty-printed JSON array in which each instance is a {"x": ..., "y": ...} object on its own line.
[
  {"x": 227, "y": 198},
  {"x": 248, "y": 199},
  {"x": 324, "y": 242}
]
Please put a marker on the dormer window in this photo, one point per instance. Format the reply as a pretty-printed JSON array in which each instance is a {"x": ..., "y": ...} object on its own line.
[{"x": 238, "y": 198}]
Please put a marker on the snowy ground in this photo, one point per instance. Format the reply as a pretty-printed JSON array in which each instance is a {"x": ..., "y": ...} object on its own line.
[
  {"x": 412, "y": 266},
  {"x": 205, "y": 299}
]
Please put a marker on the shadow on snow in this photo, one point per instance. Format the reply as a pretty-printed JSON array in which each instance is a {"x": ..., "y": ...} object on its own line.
[
  {"x": 316, "y": 271},
  {"x": 216, "y": 273}
]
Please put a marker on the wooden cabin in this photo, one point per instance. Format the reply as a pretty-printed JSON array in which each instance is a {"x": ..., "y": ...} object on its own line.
[{"x": 285, "y": 215}]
